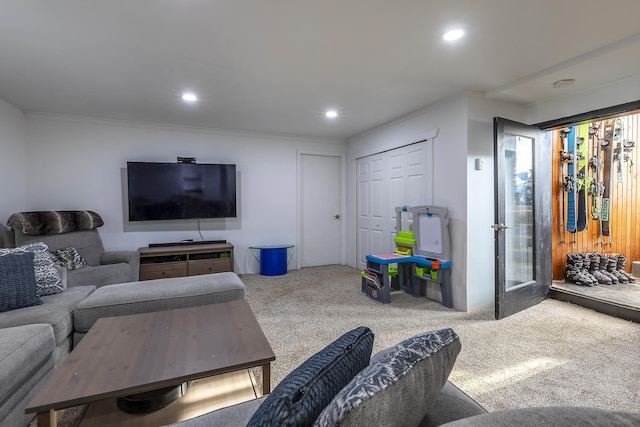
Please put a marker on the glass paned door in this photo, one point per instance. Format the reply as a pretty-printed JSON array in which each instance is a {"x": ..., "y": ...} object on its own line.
[
  {"x": 522, "y": 160},
  {"x": 519, "y": 188}
]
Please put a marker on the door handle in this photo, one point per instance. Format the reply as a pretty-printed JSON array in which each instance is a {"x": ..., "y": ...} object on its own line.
[
  {"x": 337, "y": 216},
  {"x": 499, "y": 227}
]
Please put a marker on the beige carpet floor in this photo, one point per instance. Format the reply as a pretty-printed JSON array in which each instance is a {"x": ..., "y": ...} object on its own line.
[{"x": 555, "y": 353}]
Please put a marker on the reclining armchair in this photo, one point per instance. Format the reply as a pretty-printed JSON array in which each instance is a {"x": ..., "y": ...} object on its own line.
[{"x": 78, "y": 230}]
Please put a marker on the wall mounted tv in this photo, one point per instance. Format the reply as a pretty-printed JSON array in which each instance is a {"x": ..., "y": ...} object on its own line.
[{"x": 170, "y": 191}]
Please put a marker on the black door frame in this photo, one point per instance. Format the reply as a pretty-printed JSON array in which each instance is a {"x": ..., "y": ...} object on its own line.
[{"x": 511, "y": 301}]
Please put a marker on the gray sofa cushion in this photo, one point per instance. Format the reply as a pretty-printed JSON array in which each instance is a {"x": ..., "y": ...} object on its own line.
[
  {"x": 56, "y": 310},
  {"x": 156, "y": 295},
  {"x": 89, "y": 246},
  {"x": 551, "y": 416},
  {"x": 301, "y": 395},
  {"x": 87, "y": 243},
  {"x": 24, "y": 350},
  {"x": 99, "y": 275},
  {"x": 236, "y": 415},
  {"x": 12, "y": 409},
  {"x": 410, "y": 374},
  {"x": 449, "y": 405},
  {"x": 124, "y": 257}
]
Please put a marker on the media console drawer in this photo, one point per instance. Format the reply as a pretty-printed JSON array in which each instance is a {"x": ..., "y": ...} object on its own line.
[
  {"x": 162, "y": 271},
  {"x": 185, "y": 260},
  {"x": 209, "y": 266}
]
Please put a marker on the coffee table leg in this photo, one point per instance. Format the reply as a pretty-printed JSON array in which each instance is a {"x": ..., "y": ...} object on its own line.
[
  {"x": 47, "y": 419},
  {"x": 266, "y": 379}
]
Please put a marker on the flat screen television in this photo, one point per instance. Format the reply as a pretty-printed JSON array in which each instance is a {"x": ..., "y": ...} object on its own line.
[{"x": 170, "y": 191}]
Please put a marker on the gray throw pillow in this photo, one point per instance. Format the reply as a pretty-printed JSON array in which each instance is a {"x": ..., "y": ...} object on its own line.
[
  {"x": 17, "y": 282},
  {"x": 300, "y": 396},
  {"x": 47, "y": 276},
  {"x": 398, "y": 385}
]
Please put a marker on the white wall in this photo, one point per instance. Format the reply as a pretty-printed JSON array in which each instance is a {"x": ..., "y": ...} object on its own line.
[
  {"x": 481, "y": 198},
  {"x": 77, "y": 163},
  {"x": 13, "y": 161}
]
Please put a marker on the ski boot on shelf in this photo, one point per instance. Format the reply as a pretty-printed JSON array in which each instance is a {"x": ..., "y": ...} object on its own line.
[
  {"x": 594, "y": 269},
  {"x": 570, "y": 270},
  {"x": 604, "y": 265},
  {"x": 620, "y": 266},
  {"x": 575, "y": 273},
  {"x": 588, "y": 276},
  {"x": 612, "y": 267}
]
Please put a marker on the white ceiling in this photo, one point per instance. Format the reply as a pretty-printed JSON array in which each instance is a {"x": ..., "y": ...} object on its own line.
[{"x": 277, "y": 65}]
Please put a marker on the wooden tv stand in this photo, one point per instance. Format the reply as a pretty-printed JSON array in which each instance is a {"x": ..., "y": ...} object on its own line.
[{"x": 185, "y": 260}]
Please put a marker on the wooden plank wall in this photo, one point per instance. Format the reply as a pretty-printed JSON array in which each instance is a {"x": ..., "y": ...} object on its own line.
[{"x": 625, "y": 207}]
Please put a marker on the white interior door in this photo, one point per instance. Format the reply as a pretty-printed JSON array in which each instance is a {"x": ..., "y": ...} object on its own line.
[
  {"x": 372, "y": 193},
  {"x": 386, "y": 180},
  {"x": 321, "y": 210}
]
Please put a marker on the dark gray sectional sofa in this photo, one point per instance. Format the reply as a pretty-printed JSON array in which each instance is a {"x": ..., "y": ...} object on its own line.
[{"x": 34, "y": 340}]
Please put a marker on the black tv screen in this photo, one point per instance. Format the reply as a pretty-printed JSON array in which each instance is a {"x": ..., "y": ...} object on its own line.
[{"x": 168, "y": 191}]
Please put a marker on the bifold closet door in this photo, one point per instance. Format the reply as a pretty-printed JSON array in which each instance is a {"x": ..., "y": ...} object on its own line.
[{"x": 385, "y": 180}]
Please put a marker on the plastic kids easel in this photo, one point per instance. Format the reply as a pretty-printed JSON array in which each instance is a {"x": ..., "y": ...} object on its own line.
[{"x": 422, "y": 256}]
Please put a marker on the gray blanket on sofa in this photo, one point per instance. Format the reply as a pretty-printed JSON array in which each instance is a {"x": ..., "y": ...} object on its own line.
[{"x": 54, "y": 222}]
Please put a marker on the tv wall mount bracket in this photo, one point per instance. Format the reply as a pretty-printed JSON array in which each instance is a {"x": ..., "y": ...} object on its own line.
[{"x": 190, "y": 160}]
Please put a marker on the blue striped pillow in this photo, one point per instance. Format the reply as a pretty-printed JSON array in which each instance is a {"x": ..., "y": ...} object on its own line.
[
  {"x": 17, "y": 281},
  {"x": 48, "y": 280},
  {"x": 301, "y": 396}
]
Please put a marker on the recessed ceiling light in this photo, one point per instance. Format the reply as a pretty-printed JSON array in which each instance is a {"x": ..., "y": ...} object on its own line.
[
  {"x": 454, "y": 34},
  {"x": 189, "y": 97},
  {"x": 332, "y": 114}
]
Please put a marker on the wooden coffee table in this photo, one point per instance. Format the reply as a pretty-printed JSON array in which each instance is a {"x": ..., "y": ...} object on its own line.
[{"x": 126, "y": 355}]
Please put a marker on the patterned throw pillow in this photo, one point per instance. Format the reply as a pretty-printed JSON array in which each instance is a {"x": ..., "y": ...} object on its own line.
[
  {"x": 300, "y": 396},
  {"x": 17, "y": 281},
  {"x": 70, "y": 258},
  {"x": 407, "y": 376},
  {"x": 47, "y": 276}
]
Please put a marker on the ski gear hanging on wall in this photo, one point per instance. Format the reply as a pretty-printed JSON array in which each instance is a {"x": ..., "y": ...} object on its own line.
[
  {"x": 606, "y": 143},
  {"x": 596, "y": 186},
  {"x": 571, "y": 180},
  {"x": 564, "y": 157},
  {"x": 581, "y": 155}
]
